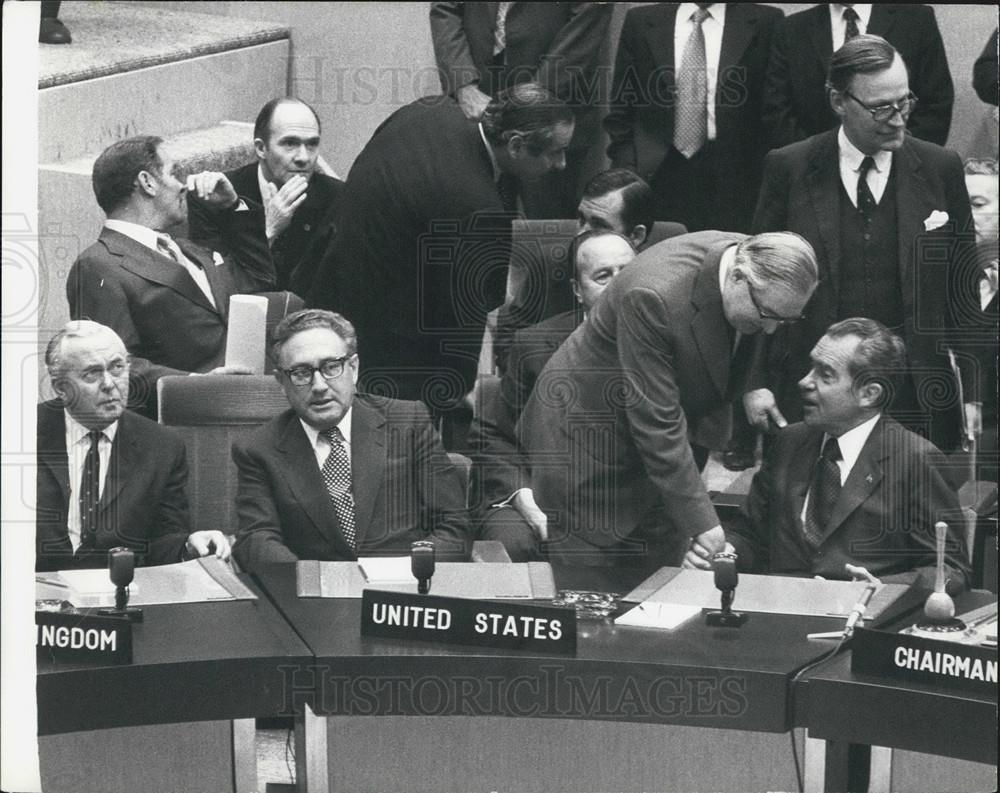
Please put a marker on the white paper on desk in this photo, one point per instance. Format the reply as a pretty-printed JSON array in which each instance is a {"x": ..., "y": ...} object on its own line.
[
  {"x": 387, "y": 569},
  {"x": 89, "y": 582},
  {"x": 665, "y": 616},
  {"x": 247, "y": 333}
]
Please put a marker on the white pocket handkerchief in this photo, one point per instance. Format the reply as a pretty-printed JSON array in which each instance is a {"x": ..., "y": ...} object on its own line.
[
  {"x": 217, "y": 258},
  {"x": 935, "y": 220}
]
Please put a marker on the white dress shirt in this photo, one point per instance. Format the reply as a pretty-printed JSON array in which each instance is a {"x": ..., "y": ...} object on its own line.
[
  {"x": 850, "y": 166},
  {"x": 851, "y": 443},
  {"x": 77, "y": 447},
  {"x": 838, "y": 25},
  {"x": 712, "y": 28},
  {"x": 321, "y": 446}
]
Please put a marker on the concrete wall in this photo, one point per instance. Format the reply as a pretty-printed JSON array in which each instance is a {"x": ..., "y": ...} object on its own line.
[{"x": 358, "y": 61}]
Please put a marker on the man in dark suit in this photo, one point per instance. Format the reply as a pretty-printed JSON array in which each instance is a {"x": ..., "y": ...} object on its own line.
[
  {"x": 485, "y": 48},
  {"x": 610, "y": 425},
  {"x": 504, "y": 505},
  {"x": 850, "y": 485},
  {"x": 167, "y": 299},
  {"x": 425, "y": 239},
  {"x": 795, "y": 97},
  {"x": 889, "y": 218},
  {"x": 280, "y": 208},
  {"x": 692, "y": 127},
  {"x": 340, "y": 474},
  {"x": 106, "y": 477}
]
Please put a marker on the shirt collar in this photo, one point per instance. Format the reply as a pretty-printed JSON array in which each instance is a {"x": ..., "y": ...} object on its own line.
[
  {"x": 853, "y": 441},
  {"x": 716, "y": 11},
  {"x": 142, "y": 234},
  {"x": 261, "y": 181},
  {"x": 497, "y": 173},
  {"x": 345, "y": 429},
  {"x": 864, "y": 11},
  {"x": 76, "y": 432},
  {"x": 853, "y": 156}
]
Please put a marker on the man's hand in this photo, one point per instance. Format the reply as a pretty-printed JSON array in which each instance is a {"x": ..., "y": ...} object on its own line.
[
  {"x": 472, "y": 101},
  {"x": 762, "y": 410},
  {"x": 225, "y": 370},
  {"x": 703, "y": 547},
  {"x": 524, "y": 503},
  {"x": 203, "y": 543},
  {"x": 280, "y": 205},
  {"x": 213, "y": 188}
]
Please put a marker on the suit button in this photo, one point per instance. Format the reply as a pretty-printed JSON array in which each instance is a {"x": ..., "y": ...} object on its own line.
[
  {"x": 867, "y": 236},
  {"x": 307, "y": 227}
]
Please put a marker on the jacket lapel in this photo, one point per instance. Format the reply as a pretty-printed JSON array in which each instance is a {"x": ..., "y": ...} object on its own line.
[
  {"x": 660, "y": 39},
  {"x": 368, "y": 462},
  {"x": 52, "y": 452},
  {"x": 865, "y": 476},
  {"x": 708, "y": 326},
  {"x": 823, "y": 184},
  {"x": 881, "y": 20},
  {"x": 206, "y": 260},
  {"x": 821, "y": 35},
  {"x": 125, "y": 457},
  {"x": 738, "y": 32},
  {"x": 914, "y": 201},
  {"x": 800, "y": 474}
]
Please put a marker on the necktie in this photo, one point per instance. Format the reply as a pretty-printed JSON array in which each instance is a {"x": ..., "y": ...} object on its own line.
[
  {"x": 691, "y": 122},
  {"x": 90, "y": 490},
  {"x": 337, "y": 477},
  {"x": 851, "y": 18},
  {"x": 170, "y": 249},
  {"x": 823, "y": 492},
  {"x": 866, "y": 201},
  {"x": 507, "y": 189},
  {"x": 500, "y": 31}
]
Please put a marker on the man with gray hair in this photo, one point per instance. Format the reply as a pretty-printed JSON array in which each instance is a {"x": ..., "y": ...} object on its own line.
[
  {"x": 621, "y": 418},
  {"x": 849, "y": 485},
  {"x": 107, "y": 477}
]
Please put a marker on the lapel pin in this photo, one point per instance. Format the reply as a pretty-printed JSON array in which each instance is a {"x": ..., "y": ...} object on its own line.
[{"x": 869, "y": 479}]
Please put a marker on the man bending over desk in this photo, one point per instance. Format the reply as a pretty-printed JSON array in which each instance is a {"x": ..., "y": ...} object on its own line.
[
  {"x": 342, "y": 474},
  {"x": 849, "y": 484}
]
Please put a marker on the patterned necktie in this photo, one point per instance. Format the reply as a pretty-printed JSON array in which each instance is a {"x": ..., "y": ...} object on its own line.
[
  {"x": 851, "y": 18},
  {"x": 691, "y": 121},
  {"x": 337, "y": 477},
  {"x": 90, "y": 490},
  {"x": 170, "y": 249},
  {"x": 500, "y": 31},
  {"x": 866, "y": 201},
  {"x": 823, "y": 492}
]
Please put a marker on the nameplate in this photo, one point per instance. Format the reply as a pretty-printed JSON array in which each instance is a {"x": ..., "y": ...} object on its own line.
[
  {"x": 919, "y": 660},
  {"x": 482, "y": 623},
  {"x": 82, "y": 638}
]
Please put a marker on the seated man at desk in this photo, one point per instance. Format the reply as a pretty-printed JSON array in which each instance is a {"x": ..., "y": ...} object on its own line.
[
  {"x": 107, "y": 477},
  {"x": 849, "y": 484},
  {"x": 342, "y": 474}
]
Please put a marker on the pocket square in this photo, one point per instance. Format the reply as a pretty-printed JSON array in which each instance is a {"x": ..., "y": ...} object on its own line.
[
  {"x": 217, "y": 258},
  {"x": 935, "y": 220}
]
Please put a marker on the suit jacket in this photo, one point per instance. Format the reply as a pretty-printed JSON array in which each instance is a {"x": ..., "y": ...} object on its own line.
[
  {"x": 423, "y": 248},
  {"x": 155, "y": 306},
  {"x": 640, "y": 120},
  {"x": 144, "y": 505},
  {"x": 801, "y": 193},
  {"x": 606, "y": 428},
  {"x": 496, "y": 463},
  {"x": 554, "y": 44},
  {"x": 240, "y": 234},
  {"x": 405, "y": 489},
  {"x": 795, "y": 100},
  {"x": 883, "y": 520}
]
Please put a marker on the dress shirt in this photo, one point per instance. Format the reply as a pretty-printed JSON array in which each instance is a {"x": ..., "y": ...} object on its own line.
[
  {"x": 711, "y": 27},
  {"x": 77, "y": 446},
  {"x": 838, "y": 25},
  {"x": 321, "y": 446},
  {"x": 851, "y": 443},
  {"x": 148, "y": 238},
  {"x": 850, "y": 165}
]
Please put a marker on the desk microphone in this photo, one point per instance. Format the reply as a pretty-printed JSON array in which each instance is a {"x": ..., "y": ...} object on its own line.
[
  {"x": 726, "y": 578},
  {"x": 422, "y": 564},
  {"x": 121, "y": 569}
]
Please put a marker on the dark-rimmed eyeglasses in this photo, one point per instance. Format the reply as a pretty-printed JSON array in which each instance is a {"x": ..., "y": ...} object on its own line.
[
  {"x": 764, "y": 314},
  {"x": 882, "y": 113},
  {"x": 330, "y": 369}
]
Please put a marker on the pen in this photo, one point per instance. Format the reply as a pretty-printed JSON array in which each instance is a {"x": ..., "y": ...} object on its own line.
[{"x": 50, "y": 582}]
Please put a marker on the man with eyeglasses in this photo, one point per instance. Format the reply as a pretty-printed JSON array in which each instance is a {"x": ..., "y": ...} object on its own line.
[
  {"x": 341, "y": 474},
  {"x": 888, "y": 216},
  {"x": 621, "y": 418},
  {"x": 107, "y": 477}
]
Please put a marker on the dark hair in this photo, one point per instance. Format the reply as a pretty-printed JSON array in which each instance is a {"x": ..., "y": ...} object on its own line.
[
  {"x": 588, "y": 235},
  {"x": 527, "y": 110},
  {"x": 262, "y": 126},
  {"x": 116, "y": 169},
  {"x": 860, "y": 55},
  {"x": 778, "y": 258},
  {"x": 880, "y": 356},
  {"x": 312, "y": 318},
  {"x": 637, "y": 196}
]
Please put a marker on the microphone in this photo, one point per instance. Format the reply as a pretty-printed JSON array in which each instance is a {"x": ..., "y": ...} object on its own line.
[
  {"x": 726, "y": 578},
  {"x": 859, "y": 608},
  {"x": 121, "y": 570},
  {"x": 422, "y": 564}
]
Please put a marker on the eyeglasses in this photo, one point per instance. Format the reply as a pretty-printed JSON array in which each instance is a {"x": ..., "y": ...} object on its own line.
[
  {"x": 767, "y": 314},
  {"x": 329, "y": 369},
  {"x": 882, "y": 113},
  {"x": 95, "y": 374}
]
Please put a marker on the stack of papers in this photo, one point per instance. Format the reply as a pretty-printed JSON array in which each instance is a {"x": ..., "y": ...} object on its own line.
[{"x": 664, "y": 616}]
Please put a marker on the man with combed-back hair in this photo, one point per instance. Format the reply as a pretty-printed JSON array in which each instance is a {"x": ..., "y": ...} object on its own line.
[
  {"x": 621, "y": 417},
  {"x": 425, "y": 238}
]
